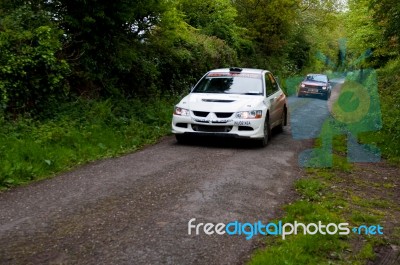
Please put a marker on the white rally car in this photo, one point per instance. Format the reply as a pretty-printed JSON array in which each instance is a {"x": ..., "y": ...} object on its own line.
[{"x": 232, "y": 102}]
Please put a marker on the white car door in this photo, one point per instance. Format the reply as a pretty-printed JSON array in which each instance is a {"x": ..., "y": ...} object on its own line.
[{"x": 275, "y": 97}]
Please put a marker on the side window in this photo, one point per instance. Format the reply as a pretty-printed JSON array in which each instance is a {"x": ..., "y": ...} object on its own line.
[
  {"x": 268, "y": 86},
  {"x": 273, "y": 83}
]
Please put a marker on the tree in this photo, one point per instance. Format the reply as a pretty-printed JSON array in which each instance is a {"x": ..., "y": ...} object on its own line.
[
  {"x": 387, "y": 16},
  {"x": 365, "y": 34},
  {"x": 268, "y": 23},
  {"x": 322, "y": 27},
  {"x": 98, "y": 32},
  {"x": 32, "y": 72},
  {"x": 213, "y": 18},
  {"x": 183, "y": 53}
]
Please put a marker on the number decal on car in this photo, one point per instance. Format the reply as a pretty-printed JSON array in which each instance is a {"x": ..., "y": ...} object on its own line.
[{"x": 242, "y": 123}]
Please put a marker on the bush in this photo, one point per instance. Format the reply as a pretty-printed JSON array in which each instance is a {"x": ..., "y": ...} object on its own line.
[
  {"x": 388, "y": 138},
  {"x": 389, "y": 88},
  {"x": 30, "y": 71}
]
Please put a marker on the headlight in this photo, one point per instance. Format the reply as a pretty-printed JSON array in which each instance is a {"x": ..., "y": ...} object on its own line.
[
  {"x": 303, "y": 85},
  {"x": 181, "y": 111},
  {"x": 254, "y": 114},
  {"x": 324, "y": 87}
]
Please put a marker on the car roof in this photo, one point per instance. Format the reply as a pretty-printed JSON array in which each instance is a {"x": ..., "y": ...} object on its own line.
[{"x": 244, "y": 70}]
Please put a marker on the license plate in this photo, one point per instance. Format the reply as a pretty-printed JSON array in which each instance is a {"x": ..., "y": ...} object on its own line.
[
  {"x": 242, "y": 123},
  {"x": 312, "y": 90}
]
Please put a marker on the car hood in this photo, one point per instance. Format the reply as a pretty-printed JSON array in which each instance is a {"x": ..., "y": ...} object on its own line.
[{"x": 221, "y": 102}]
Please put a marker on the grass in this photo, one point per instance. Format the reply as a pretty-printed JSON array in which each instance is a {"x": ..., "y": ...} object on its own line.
[
  {"x": 320, "y": 202},
  {"x": 334, "y": 195},
  {"x": 77, "y": 133},
  {"x": 307, "y": 249},
  {"x": 310, "y": 188},
  {"x": 302, "y": 249}
]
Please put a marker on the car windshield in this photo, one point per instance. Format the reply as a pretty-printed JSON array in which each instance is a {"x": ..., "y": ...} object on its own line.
[
  {"x": 317, "y": 78},
  {"x": 230, "y": 83}
]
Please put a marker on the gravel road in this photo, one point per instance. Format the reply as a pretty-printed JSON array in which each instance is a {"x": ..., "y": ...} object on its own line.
[{"x": 135, "y": 209}]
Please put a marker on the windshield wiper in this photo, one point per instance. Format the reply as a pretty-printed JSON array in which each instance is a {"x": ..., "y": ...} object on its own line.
[{"x": 210, "y": 92}]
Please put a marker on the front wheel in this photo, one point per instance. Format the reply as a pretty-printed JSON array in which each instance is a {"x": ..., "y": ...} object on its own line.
[
  {"x": 283, "y": 121},
  {"x": 267, "y": 133}
]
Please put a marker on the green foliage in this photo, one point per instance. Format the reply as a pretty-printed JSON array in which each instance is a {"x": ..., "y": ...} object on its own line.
[
  {"x": 364, "y": 34},
  {"x": 268, "y": 22},
  {"x": 388, "y": 138},
  {"x": 374, "y": 25},
  {"x": 78, "y": 132},
  {"x": 321, "y": 24},
  {"x": 387, "y": 15},
  {"x": 298, "y": 51},
  {"x": 31, "y": 72},
  {"x": 98, "y": 32},
  {"x": 291, "y": 85},
  {"x": 215, "y": 18},
  {"x": 183, "y": 54},
  {"x": 127, "y": 48},
  {"x": 270, "y": 25}
]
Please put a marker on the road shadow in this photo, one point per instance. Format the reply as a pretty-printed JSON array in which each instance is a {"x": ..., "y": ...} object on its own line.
[{"x": 224, "y": 142}]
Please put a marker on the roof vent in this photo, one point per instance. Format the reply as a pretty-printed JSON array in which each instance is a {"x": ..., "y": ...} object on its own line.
[{"x": 235, "y": 69}]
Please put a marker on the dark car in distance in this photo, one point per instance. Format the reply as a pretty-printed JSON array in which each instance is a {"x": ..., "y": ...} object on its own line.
[{"x": 315, "y": 85}]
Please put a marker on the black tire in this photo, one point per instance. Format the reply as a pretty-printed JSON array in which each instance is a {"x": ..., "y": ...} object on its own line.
[
  {"x": 267, "y": 133},
  {"x": 283, "y": 121}
]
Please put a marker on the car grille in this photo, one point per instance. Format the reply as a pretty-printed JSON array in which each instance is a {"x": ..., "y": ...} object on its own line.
[
  {"x": 218, "y": 114},
  {"x": 200, "y": 113},
  {"x": 223, "y": 114},
  {"x": 205, "y": 128},
  {"x": 314, "y": 87}
]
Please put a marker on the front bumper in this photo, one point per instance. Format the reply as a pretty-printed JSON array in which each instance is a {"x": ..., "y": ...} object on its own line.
[
  {"x": 313, "y": 92},
  {"x": 237, "y": 128}
]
